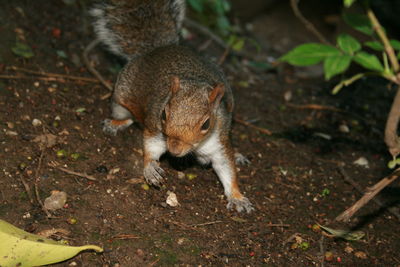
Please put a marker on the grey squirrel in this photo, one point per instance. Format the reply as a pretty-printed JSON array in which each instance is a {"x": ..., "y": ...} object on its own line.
[{"x": 183, "y": 101}]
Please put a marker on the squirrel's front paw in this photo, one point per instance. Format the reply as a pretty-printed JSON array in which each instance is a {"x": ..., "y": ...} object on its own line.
[
  {"x": 154, "y": 174},
  {"x": 240, "y": 159},
  {"x": 242, "y": 204}
]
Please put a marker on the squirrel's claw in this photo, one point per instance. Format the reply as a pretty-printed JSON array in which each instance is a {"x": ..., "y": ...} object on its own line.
[
  {"x": 154, "y": 174},
  {"x": 240, "y": 159},
  {"x": 242, "y": 204}
]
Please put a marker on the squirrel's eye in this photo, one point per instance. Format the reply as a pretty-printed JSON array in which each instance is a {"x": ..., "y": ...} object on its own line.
[
  {"x": 164, "y": 115},
  {"x": 206, "y": 125}
]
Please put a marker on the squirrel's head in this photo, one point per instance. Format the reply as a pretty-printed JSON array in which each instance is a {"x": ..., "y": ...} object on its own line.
[{"x": 190, "y": 115}]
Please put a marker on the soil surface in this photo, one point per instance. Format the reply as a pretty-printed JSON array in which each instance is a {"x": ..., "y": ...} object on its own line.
[{"x": 298, "y": 176}]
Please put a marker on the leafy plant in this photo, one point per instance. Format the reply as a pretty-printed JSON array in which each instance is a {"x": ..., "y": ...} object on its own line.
[
  {"x": 337, "y": 59},
  {"x": 214, "y": 15}
]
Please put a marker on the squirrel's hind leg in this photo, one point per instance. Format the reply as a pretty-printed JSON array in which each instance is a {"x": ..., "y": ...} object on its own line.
[{"x": 122, "y": 119}]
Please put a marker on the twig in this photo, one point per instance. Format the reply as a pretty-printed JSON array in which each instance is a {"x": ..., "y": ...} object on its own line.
[
  {"x": 37, "y": 181},
  {"x": 382, "y": 35},
  {"x": 322, "y": 250},
  {"x": 369, "y": 194},
  {"x": 347, "y": 178},
  {"x": 47, "y": 79},
  {"x": 206, "y": 31},
  {"x": 91, "y": 69},
  {"x": 56, "y": 75},
  {"x": 314, "y": 107},
  {"x": 309, "y": 26},
  {"x": 125, "y": 236},
  {"x": 204, "y": 224},
  {"x": 27, "y": 189},
  {"x": 248, "y": 124},
  {"x": 277, "y": 225},
  {"x": 154, "y": 262},
  {"x": 223, "y": 56},
  {"x": 83, "y": 175}
]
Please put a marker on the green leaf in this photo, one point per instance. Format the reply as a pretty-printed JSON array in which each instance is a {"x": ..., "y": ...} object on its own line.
[
  {"x": 223, "y": 25},
  {"x": 348, "y": 43},
  {"x": 359, "y": 22},
  {"x": 61, "y": 54},
  {"x": 196, "y": 5},
  {"x": 19, "y": 248},
  {"x": 375, "y": 45},
  {"x": 335, "y": 65},
  {"x": 368, "y": 61},
  {"x": 22, "y": 50},
  {"x": 395, "y": 44},
  {"x": 309, "y": 54},
  {"x": 348, "y": 3},
  {"x": 238, "y": 45}
]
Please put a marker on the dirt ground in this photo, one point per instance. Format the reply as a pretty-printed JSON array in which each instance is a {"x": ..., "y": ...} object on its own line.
[{"x": 298, "y": 176}]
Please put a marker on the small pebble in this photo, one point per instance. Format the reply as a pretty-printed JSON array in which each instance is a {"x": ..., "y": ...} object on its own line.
[{"x": 36, "y": 122}]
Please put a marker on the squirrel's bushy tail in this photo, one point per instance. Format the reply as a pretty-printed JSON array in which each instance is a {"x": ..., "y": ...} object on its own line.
[{"x": 131, "y": 28}]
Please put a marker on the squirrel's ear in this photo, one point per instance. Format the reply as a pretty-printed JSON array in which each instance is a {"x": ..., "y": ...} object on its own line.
[
  {"x": 215, "y": 96},
  {"x": 175, "y": 84}
]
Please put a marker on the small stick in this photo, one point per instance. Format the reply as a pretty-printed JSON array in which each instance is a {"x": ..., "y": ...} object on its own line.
[
  {"x": 369, "y": 194},
  {"x": 314, "y": 107},
  {"x": 125, "y": 236},
  {"x": 223, "y": 56},
  {"x": 27, "y": 189},
  {"x": 277, "y": 225},
  {"x": 322, "y": 250},
  {"x": 37, "y": 181},
  {"x": 361, "y": 191},
  {"x": 91, "y": 69},
  {"x": 56, "y": 75},
  {"x": 83, "y": 175},
  {"x": 204, "y": 224},
  {"x": 47, "y": 79},
  {"x": 309, "y": 26},
  {"x": 248, "y": 124},
  {"x": 207, "y": 32}
]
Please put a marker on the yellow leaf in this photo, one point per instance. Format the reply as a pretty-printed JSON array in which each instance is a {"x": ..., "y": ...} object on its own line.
[{"x": 20, "y": 248}]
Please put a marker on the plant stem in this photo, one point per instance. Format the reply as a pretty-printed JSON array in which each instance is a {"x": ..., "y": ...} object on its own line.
[
  {"x": 309, "y": 26},
  {"x": 391, "y": 138},
  {"x": 382, "y": 35}
]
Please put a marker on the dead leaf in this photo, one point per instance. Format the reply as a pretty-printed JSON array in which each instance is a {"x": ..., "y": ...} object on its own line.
[
  {"x": 345, "y": 234},
  {"x": 46, "y": 140},
  {"x": 54, "y": 231},
  {"x": 360, "y": 254}
]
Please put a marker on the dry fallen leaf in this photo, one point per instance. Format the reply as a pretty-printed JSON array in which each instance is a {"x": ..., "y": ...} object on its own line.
[
  {"x": 56, "y": 200},
  {"x": 46, "y": 140},
  {"x": 360, "y": 254}
]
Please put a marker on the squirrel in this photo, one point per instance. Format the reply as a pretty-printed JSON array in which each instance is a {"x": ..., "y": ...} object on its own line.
[{"x": 183, "y": 101}]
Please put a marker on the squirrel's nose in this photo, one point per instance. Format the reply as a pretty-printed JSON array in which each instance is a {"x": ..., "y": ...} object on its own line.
[{"x": 177, "y": 148}]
